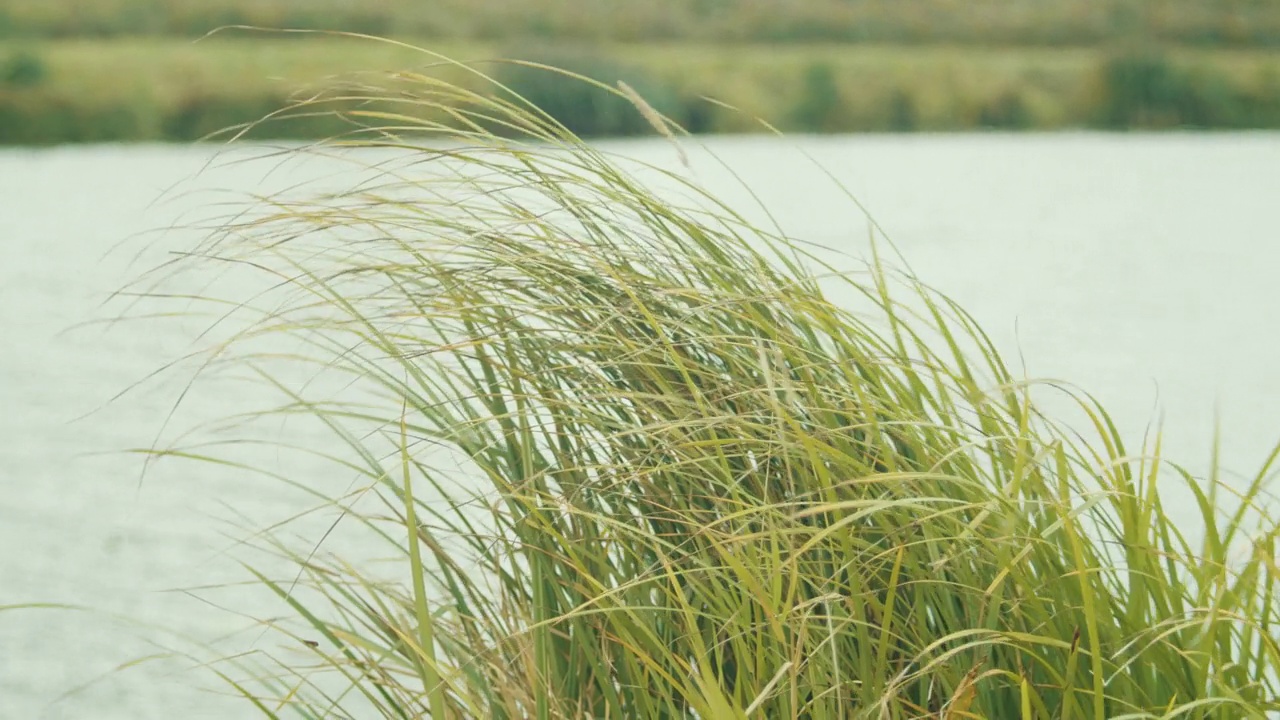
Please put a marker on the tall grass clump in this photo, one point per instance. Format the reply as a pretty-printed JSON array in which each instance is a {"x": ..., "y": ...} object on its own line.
[{"x": 636, "y": 457}]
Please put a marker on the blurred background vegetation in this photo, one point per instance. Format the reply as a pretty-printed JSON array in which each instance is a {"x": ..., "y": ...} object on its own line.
[{"x": 128, "y": 70}]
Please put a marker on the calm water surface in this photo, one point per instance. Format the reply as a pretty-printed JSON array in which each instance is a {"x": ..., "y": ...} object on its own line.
[{"x": 1144, "y": 268}]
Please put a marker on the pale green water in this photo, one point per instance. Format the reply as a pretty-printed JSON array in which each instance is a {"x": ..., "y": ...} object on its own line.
[{"x": 1144, "y": 268}]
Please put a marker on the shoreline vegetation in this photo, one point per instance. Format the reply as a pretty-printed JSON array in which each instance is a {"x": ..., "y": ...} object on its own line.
[
  {"x": 1212, "y": 23},
  {"x": 171, "y": 89},
  {"x": 629, "y": 460}
]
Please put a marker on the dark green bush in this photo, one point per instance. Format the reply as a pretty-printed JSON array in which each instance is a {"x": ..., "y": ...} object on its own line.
[
  {"x": 699, "y": 115},
  {"x": 1007, "y": 111},
  {"x": 1144, "y": 89},
  {"x": 202, "y": 116},
  {"x": 22, "y": 69},
  {"x": 1260, "y": 107},
  {"x": 819, "y": 99},
  {"x": 37, "y": 118},
  {"x": 586, "y": 110},
  {"x": 21, "y": 121},
  {"x": 902, "y": 112},
  {"x": 1141, "y": 89}
]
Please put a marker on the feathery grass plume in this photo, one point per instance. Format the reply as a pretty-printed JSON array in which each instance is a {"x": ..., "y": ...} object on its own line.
[{"x": 678, "y": 480}]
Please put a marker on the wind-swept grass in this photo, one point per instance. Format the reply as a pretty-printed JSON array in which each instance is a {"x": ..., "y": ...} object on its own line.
[{"x": 678, "y": 480}]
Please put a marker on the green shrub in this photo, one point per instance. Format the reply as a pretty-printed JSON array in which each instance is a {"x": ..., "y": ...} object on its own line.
[
  {"x": 1260, "y": 107},
  {"x": 24, "y": 121},
  {"x": 902, "y": 112},
  {"x": 39, "y": 118},
  {"x": 586, "y": 110},
  {"x": 1007, "y": 111},
  {"x": 819, "y": 99},
  {"x": 1143, "y": 89},
  {"x": 695, "y": 486},
  {"x": 262, "y": 116},
  {"x": 198, "y": 116},
  {"x": 699, "y": 115},
  {"x": 22, "y": 69}
]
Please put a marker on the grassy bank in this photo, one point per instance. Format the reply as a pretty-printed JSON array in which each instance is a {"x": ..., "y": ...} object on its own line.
[
  {"x": 998, "y": 22},
  {"x": 677, "y": 480},
  {"x": 148, "y": 90}
]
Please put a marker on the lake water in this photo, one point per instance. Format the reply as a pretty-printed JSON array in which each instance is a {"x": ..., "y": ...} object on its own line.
[{"x": 1145, "y": 268}]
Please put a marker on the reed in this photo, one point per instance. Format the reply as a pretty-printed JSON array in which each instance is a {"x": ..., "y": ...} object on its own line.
[{"x": 633, "y": 461}]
